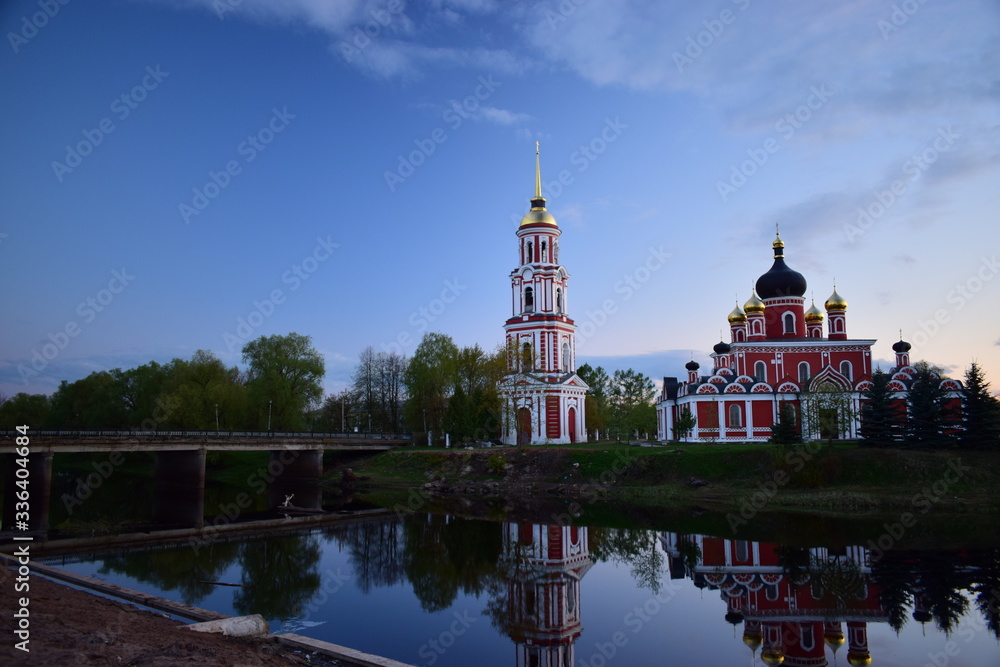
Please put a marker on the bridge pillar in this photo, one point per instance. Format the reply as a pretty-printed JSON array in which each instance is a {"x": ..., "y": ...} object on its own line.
[
  {"x": 39, "y": 487},
  {"x": 296, "y": 473},
  {"x": 179, "y": 488}
]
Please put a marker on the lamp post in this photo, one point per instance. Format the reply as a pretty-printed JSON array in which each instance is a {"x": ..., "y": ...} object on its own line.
[
  {"x": 269, "y": 403},
  {"x": 216, "y": 417}
]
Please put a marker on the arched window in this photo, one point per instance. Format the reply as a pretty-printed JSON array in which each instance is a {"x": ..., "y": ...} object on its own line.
[
  {"x": 545, "y": 255},
  {"x": 526, "y": 361},
  {"x": 845, "y": 369},
  {"x": 559, "y": 301},
  {"x": 530, "y": 256},
  {"x": 735, "y": 416},
  {"x": 760, "y": 371},
  {"x": 740, "y": 335},
  {"x": 789, "y": 323},
  {"x": 755, "y": 328},
  {"x": 529, "y": 299},
  {"x": 803, "y": 372},
  {"x": 565, "y": 357}
]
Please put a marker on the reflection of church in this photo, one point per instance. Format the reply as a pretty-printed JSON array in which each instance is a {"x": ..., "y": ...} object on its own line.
[
  {"x": 545, "y": 565},
  {"x": 790, "y": 615}
]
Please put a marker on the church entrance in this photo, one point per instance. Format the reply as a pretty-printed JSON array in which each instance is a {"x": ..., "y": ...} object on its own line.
[
  {"x": 571, "y": 417},
  {"x": 523, "y": 426}
]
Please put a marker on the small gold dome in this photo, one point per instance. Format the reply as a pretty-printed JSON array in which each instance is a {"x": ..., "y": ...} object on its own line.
[
  {"x": 737, "y": 316},
  {"x": 859, "y": 659},
  {"x": 770, "y": 657},
  {"x": 538, "y": 216},
  {"x": 834, "y": 639},
  {"x": 753, "y": 640},
  {"x": 754, "y": 304},
  {"x": 835, "y": 302},
  {"x": 814, "y": 314}
]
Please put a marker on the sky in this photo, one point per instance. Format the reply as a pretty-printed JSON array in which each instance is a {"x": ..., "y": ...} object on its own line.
[{"x": 193, "y": 174}]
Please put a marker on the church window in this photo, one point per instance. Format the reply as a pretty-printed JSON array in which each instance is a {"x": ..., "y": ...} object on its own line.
[
  {"x": 760, "y": 371},
  {"x": 740, "y": 336},
  {"x": 526, "y": 361},
  {"x": 559, "y": 307},
  {"x": 735, "y": 416},
  {"x": 545, "y": 254},
  {"x": 565, "y": 357},
  {"x": 742, "y": 549},
  {"x": 803, "y": 372},
  {"x": 845, "y": 369},
  {"x": 529, "y": 254},
  {"x": 529, "y": 299},
  {"x": 789, "y": 323}
]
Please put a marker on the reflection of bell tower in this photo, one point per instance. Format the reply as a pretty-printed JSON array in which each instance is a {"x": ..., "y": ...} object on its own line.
[{"x": 545, "y": 567}]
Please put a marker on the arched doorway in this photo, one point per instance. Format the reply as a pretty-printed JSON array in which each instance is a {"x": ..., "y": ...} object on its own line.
[
  {"x": 523, "y": 426},
  {"x": 571, "y": 417}
]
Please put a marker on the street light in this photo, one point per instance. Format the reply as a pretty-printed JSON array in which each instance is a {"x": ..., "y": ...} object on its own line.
[
  {"x": 216, "y": 417},
  {"x": 269, "y": 415}
]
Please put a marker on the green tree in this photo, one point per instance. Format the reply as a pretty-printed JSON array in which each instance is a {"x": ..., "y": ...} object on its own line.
[
  {"x": 596, "y": 405},
  {"x": 980, "y": 410},
  {"x": 786, "y": 430},
  {"x": 828, "y": 411},
  {"x": 631, "y": 401},
  {"x": 202, "y": 393},
  {"x": 284, "y": 376},
  {"x": 925, "y": 414},
  {"x": 141, "y": 391},
  {"x": 879, "y": 415},
  {"x": 430, "y": 381},
  {"x": 25, "y": 409},
  {"x": 684, "y": 424},
  {"x": 91, "y": 403}
]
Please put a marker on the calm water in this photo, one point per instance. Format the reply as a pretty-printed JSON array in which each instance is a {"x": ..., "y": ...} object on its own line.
[{"x": 439, "y": 590}]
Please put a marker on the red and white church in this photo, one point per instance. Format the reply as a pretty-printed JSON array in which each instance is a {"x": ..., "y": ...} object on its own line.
[
  {"x": 543, "y": 397},
  {"x": 778, "y": 351}
]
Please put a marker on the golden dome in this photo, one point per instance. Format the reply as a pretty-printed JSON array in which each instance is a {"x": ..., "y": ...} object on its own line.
[
  {"x": 754, "y": 304},
  {"x": 538, "y": 214},
  {"x": 737, "y": 316},
  {"x": 835, "y": 302},
  {"x": 770, "y": 657},
  {"x": 753, "y": 640},
  {"x": 814, "y": 314},
  {"x": 834, "y": 639},
  {"x": 859, "y": 659}
]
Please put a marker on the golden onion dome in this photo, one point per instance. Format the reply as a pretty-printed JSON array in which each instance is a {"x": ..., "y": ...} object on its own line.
[
  {"x": 753, "y": 639},
  {"x": 814, "y": 314},
  {"x": 754, "y": 304},
  {"x": 770, "y": 657},
  {"x": 859, "y": 659},
  {"x": 737, "y": 316},
  {"x": 538, "y": 214},
  {"x": 834, "y": 639},
  {"x": 835, "y": 302}
]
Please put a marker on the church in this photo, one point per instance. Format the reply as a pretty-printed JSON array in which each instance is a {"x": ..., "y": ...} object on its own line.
[
  {"x": 778, "y": 351},
  {"x": 542, "y": 396}
]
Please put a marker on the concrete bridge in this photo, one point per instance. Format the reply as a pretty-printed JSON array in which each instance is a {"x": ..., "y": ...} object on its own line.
[{"x": 178, "y": 484}]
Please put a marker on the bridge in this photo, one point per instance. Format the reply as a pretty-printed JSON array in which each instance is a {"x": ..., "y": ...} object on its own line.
[{"x": 178, "y": 484}]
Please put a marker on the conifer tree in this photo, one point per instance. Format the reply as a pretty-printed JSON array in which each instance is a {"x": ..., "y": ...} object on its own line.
[
  {"x": 878, "y": 415},
  {"x": 980, "y": 410}
]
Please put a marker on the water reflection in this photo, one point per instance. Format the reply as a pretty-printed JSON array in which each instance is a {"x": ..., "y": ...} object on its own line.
[{"x": 788, "y": 605}]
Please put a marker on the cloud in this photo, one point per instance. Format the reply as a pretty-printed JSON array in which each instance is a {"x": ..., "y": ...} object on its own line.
[{"x": 503, "y": 116}]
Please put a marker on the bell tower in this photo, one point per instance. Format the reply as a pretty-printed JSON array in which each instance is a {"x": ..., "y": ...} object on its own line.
[{"x": 543, "y": 395}]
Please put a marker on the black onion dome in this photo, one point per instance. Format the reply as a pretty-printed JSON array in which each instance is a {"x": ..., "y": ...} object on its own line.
[
  {"x": 901, "y": 346},
  {"x": 780, "y": 280},
  {"x": 692, "y": 365},
  {"x": 722, "y": 347}
]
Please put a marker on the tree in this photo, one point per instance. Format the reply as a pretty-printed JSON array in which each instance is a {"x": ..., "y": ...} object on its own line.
[
  {"x": 879, "y": 415},
  {"x": 429, "y": 381},
  {"x": 25, "y": 409},
  {"x": 980, "y": 410},
  {"x": 786, "y": 430},
  {"x": 684, "y": 424},
  {"x": 284, "y": 376},
  {"x": 202, "y": 395},
  {"x": 141, "y": 391},
  {"x": 596, "y": 406},
  {"x": 925, "y": 415},
  {"x": 631, "y": 402},
  {"x": 93, "y": 402}
]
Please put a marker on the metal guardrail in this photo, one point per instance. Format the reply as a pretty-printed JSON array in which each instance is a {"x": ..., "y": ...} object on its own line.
[{"x": 122, "y": 433}]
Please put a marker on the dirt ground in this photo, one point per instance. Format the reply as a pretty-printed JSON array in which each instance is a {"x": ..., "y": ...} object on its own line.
[{"x": 71, "y": 627}]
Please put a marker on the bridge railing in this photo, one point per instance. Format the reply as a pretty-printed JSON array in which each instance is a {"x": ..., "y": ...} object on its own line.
[{"x": 125, "y": 433}]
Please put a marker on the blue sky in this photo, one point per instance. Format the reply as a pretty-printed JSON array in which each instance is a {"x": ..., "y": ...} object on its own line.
[{"x": 192, "y": 174}]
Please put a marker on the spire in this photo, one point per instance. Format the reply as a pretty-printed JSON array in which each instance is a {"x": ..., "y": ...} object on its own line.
[
  {"x": 538, "y": 174},
  {"x": 538, "y": 213}
]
